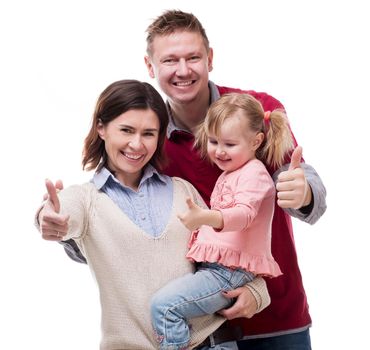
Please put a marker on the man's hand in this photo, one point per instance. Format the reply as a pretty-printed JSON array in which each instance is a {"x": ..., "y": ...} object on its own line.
[
  {"x": 53, "y": 225},
  {"x": 293, "y": 190},
  {"x": 245, "y": 305}
]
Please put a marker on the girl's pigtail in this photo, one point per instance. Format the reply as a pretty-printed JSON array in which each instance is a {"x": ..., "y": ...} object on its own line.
[
  {"x": 201, "y": 140},
  {"x": 278, "y": 138}
]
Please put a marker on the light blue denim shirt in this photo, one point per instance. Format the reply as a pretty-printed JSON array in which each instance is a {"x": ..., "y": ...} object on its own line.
[{"x": 149, "y": 207}]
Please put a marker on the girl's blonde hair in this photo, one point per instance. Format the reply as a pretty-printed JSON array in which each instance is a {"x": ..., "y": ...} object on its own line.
[{"x": 278, "y": 140}]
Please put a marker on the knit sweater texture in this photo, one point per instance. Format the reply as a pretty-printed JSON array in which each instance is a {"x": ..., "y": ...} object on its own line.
[{"x": 129, "y": 265}]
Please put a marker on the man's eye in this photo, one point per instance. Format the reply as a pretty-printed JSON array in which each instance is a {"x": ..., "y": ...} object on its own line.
[
  {"x": 169, "y": 61},
  {"x": 194, "y": 58}
]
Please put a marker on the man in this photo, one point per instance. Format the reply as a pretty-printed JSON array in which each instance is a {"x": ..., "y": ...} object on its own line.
[{"x": 180, "y": 59}]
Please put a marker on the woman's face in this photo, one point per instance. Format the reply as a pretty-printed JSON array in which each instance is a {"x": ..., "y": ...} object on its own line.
[{"x": 130, "y": 142}]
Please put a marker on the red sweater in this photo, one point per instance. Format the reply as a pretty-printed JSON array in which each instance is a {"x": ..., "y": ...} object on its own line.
[{"x": 289, "y": 308}]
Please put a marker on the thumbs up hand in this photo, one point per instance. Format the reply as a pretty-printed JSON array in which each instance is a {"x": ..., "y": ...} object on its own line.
[
  {"x": 293, "y": 190},
  {"x": 54, "y": 226},
  {"x": 58, "y": 187},
  {"x": 197, "y": 216},
  {"x": 192, "y": 218}
]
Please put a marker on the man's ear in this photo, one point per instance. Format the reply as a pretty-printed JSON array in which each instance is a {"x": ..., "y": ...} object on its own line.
[
  {"x": 210, "y": 59},
  {"x": 149, "y": 66}
]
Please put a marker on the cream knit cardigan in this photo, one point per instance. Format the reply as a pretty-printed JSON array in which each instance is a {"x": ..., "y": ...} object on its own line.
[{"x": 129, "y": 265}]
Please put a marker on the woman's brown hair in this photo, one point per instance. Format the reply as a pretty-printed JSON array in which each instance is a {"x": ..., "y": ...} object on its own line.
[{"x": 120, "y": 97}]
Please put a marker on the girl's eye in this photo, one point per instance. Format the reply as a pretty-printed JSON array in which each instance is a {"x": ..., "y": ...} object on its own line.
[
  {"x": 230, "y": 144},
  {"x": 212, "y": 142}
]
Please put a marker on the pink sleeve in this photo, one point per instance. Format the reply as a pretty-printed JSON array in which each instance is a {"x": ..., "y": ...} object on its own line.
[{"x": 251, "y": 188}]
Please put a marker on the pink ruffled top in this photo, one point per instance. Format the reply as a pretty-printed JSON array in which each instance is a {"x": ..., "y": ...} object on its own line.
[{"x": 246, "y": 199}]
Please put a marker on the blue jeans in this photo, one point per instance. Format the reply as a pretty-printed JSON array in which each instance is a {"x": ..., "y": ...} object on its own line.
[
  {"x": 294, "y": 341},
  {"x": 190, "y": 296},
  {"x": 231, "y": 345}
]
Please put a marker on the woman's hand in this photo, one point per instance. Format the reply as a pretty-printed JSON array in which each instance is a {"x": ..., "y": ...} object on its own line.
[
  {"x": 245, "y": 305},
  {"x": 53, "y": 225}
]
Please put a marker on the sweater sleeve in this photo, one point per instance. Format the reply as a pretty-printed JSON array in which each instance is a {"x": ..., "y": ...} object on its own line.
[
  {"x": 318, "y": 195},
  {"x": 75, "y": 201},
  {"x": 192, "y": 192},
  {"x": 259, "y": 290},
  {"x": 70, "y": 246}
]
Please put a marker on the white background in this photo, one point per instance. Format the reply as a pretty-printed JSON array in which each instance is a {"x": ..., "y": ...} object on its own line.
[{"x": 57, "y": 56}]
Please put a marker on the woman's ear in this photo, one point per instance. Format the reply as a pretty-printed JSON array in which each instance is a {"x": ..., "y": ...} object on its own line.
[{"x": 100, "y": 129}]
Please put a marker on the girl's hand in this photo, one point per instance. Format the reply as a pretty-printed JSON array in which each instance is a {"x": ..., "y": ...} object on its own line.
[{"x": 194, "y": 217}]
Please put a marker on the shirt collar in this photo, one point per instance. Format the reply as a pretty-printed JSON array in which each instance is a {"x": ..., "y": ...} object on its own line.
[
  {"x": 104, "y": 175},
  {"x": 215, "y": 95}
]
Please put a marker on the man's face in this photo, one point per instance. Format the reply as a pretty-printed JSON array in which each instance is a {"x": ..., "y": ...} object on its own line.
[{"x": 180, "y": 63}]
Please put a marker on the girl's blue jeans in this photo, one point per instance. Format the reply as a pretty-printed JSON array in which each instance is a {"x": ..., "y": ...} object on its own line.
[{"x": 190, "y": 296}]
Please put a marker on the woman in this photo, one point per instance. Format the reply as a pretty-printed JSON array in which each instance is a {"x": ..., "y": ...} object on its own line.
[{"x": 125, "y": 220}]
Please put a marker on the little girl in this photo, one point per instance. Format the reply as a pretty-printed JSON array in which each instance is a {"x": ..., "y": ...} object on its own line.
[{"x": 232, "y": 240}]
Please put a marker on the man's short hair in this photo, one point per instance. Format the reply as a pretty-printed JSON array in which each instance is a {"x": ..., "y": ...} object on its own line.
[{"x": 171, "y": 21}]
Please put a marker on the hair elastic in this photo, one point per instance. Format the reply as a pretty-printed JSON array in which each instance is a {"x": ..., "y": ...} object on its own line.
[{"x": 266, "y": 118}]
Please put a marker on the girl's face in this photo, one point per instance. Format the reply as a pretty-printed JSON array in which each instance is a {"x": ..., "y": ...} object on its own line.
[
  {"x": 130, "y": 142},
  {"x": 235, "y": 145}
]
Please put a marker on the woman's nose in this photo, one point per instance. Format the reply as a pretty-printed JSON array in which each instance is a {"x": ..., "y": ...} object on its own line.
[{"x": 135, "y": 141}]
